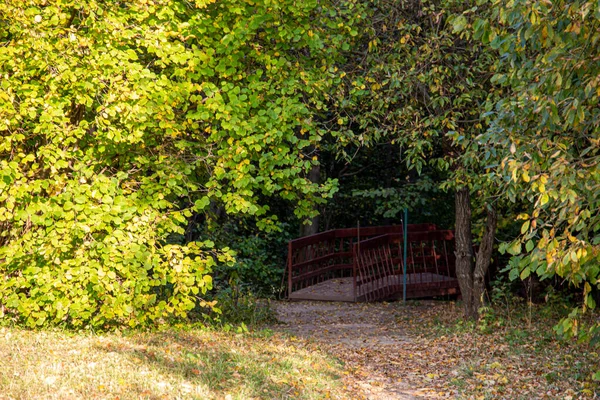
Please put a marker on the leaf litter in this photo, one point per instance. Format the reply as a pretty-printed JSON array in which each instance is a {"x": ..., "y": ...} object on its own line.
[{"x": 424, "y": 350}]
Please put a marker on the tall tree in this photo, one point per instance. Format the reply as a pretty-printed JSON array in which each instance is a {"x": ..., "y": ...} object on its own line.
[
  {"x": 548, "y": 130},
  {"x": 422, "y": 81}
]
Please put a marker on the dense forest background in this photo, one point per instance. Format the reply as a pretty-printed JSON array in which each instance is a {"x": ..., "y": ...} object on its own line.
[{"x": 156, "y": 156}]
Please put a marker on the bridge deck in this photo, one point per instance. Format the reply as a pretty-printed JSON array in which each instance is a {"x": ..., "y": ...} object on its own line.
[{"x": 418, "y": 285}]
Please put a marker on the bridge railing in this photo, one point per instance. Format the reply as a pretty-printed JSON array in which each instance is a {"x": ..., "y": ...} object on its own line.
[
  {"x": 430, "y": 265},
  {"x": 328, "y": 255}
]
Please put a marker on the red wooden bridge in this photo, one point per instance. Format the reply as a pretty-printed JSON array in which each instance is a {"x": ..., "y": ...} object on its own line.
[{"x": 367, "y": 264}]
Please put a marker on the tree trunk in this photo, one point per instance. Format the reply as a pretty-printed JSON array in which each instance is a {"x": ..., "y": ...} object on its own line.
[
  {"x": 484, "y": 257},
  {"x": 305, "y": 230},
  {"x": 464, "y": 250}
]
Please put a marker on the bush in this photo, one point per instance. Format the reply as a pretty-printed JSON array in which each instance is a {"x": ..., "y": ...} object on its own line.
[
  {"x": 259, "y": 263},
  {"x": 100, "y": 260}
]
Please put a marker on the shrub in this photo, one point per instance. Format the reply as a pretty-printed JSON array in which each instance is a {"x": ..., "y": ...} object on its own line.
[
  {"x": 96, "y": 256},
  {"x": 259, "y": 262}
]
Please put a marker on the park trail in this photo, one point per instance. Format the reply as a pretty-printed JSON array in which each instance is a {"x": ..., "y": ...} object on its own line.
[{"x": 366, "y": 337}]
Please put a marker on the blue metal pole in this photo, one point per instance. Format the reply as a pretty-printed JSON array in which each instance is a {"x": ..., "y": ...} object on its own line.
[{"x": 405, "y": 244}]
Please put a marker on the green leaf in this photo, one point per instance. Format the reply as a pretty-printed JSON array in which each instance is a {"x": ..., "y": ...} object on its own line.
[
  {"x": 590, "y": 302},
  {"x": 459, "y": 24},
  {"x": 515, "y": 248},
  {"x": 80, "y": 199},
  {"x": 202, "y": 203},
  {"x": 529, "y": 245},
  {"x": 525, "y": 226}
]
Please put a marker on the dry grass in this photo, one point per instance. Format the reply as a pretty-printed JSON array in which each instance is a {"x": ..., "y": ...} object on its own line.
[
  {"x": 422, "y": 349},
  {"x": 197, "y": 364}
]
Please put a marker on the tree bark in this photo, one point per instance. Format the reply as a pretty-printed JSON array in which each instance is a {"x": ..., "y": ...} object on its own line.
[
  {"x": 464, "y": 250},
  {"x": 484, "y": 257},
  {"x": 314, "y": 176}
]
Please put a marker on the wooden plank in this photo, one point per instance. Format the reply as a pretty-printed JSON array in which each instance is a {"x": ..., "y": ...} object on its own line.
[
  {"x": 399, "y": 272},
  {"x": 383, "y": 230},
  {"x": 312, "y": 239},
  {"x": 320, "y": 271},
  {"x": 336, "y": 289},
  {"x": 320, "y": 259},
  {"x": 415, "y": 237},
  {"x": 418, "y": 281},
  {"x": 320, "y": 297},
  {"x": 372, "y": 243}
]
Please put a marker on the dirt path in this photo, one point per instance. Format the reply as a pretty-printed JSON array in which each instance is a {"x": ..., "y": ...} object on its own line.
[
  {"x": 422, "y": 350},
  {"x": 364, "y": 336}
]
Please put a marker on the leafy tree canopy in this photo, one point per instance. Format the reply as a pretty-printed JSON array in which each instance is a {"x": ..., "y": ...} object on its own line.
[
  {"x": 548, "y": 128},
  {"x": 119, "y": 120}
]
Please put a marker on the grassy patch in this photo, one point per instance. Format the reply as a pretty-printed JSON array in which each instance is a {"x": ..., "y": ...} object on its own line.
[
  {"x": 511, "y": 353},
  {"x": 194, "y": 364}
]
